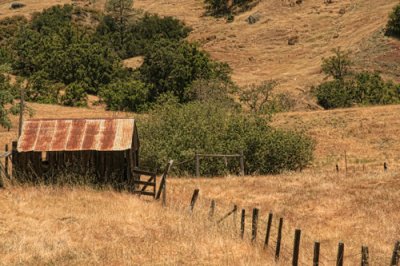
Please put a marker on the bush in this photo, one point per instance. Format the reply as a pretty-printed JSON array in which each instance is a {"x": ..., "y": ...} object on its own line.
[
  {"x": 178, "y": 131},
  {"x": 6, "y": 97},
  {"x": 75, "y": 95},
  {"x": 125, "y": 95},
  {"x": 334, "y": 94},
  {"x": 173, "y": 66},
  {"x": 393, "y": 25},
  {"x": 364, "y": 88},
  {"x": 41, "y": 90}
]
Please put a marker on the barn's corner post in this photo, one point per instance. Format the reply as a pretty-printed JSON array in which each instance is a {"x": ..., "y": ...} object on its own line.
[{"x": 14, "y": 159}]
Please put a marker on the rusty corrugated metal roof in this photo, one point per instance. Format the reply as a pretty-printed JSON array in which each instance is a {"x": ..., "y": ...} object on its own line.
[{"x": 76, "y": 134}]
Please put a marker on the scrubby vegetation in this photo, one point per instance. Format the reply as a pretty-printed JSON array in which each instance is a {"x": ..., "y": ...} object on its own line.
[
  {"x": 64, "y": 58},
  {"x": 393, "y": 25},
  {"x": 178, "y": 131},
  {"x": 348, "y": 87},
  {"x": 220, "y": 8}
]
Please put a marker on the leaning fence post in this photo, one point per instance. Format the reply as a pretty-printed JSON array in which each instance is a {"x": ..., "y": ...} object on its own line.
[
  {"x": 235, "y": 208},
  {"x": 395, "y": 256},
  {"x": 241, "y": 163},
  {"x": 278, "y": 240},
  {"x": 6, "y": 161},
  {"x": 340, "y": 255},
  {"x": 267, "y": 234},
  {"x": 242, "y": 223},
  {"x": 194, "y": 199},
  {"x": 296, "y": 247},
  {"x": 197, "y": 157},
  {"x": 254, "y": 225},
  {"x": 364, "y": 256},
  {"x": 212, "y": 210},
  {"x": 316, "y": 254},
  {"x": 385, "y": 166}
]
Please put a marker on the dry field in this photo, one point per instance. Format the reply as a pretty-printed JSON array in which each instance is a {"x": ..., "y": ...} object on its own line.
[
  {"x": 358, "y": 209},
  {"x": 80, "y": 226},
  {"x": 64, "y": 226}
]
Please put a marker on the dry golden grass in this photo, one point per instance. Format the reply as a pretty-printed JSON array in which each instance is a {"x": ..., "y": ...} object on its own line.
[
  {"x": 63, "y": 226},
  {"x": 80, "y": 226},
  {"x": 360, "y": 209}
]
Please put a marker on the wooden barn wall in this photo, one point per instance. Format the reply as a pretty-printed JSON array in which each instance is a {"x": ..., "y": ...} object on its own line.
[{"x": 107, "y": 167}]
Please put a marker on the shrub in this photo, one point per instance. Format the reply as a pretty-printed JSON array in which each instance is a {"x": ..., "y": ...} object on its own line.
[
  {"x": 6, "y": 97},
  {"x": 41, "y": 90},
  {"x": 393, "y": 25},
  {"x": 337, "y": 66},
  {"x": 364, "y": 88},
  {"x": 334, "y": 94},
  {"x": 75, "y": 95},
  {"x": 65, "y": 52},
  {"x": 172, "y": 67},
  {"x": 125, "y": 95},
  {"x": 178, "y": 131}
]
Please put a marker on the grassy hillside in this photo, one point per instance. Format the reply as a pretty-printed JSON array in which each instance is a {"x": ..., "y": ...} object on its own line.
[
  {"x": 65, "y": 226},
  {"x": 260, "y": 51},
  {"x": 61, "y": 226},
  {"x": 358, "y": 209}
]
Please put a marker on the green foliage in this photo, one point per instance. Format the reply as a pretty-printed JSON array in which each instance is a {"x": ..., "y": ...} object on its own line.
[
  {"x": 220, "y": 8},
  {"x": 337, "y": 66},
  {"x": 173, "y": 66},
  {"x": 75, "y": 95},
  {"x": 41, "y": 90},
  {"x": 65, "y": 52},
  {"x": 125, "y": 95},
  {"x": 120, "y": 11},
  {"x": 334, "y": 94},
  {"x": 6, "y": 97},
  {"x": 257, "y": 97},
  {"x": 140, "y": 34},
  {"x": 393, "y": 25},
  {"x": 217, "y": 7},
  {"x": 178, "y": 131},
  {"x": 364, "y": 89},
  {"x": 348, "y": 88}
]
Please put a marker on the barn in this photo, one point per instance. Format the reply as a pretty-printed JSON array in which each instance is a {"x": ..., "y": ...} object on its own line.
[{"x": 107, "y": 149}]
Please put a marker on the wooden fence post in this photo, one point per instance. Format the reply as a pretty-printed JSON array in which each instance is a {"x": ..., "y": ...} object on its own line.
[
  {"x": 279, "y": 239},
  {"x": 197, "y": 157},
  {"x": 296, "y": 247},
  {"x": 385, "y": 166},
  {"x": 6, "y": 161},
  {"x": 337, "y": 168},
  {"x": 242, "y": 223},
  {"x": 254, "y": 225},
  {"x": 396, "y": 254},
  {"x": 212, "y": 210},
  {"x": 235, "y": 208},
  {"x": 267, "y": 234},
  {"x": 364, "y": 256},
  {"x": 194, "y": 199},
  {"x": 340, "y": 255},
  {"x": 241, "y": 163},
  {"x": 316, "y": 254}
]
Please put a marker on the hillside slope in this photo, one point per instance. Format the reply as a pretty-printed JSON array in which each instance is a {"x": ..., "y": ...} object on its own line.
[{"x": 260, "y": 51}]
